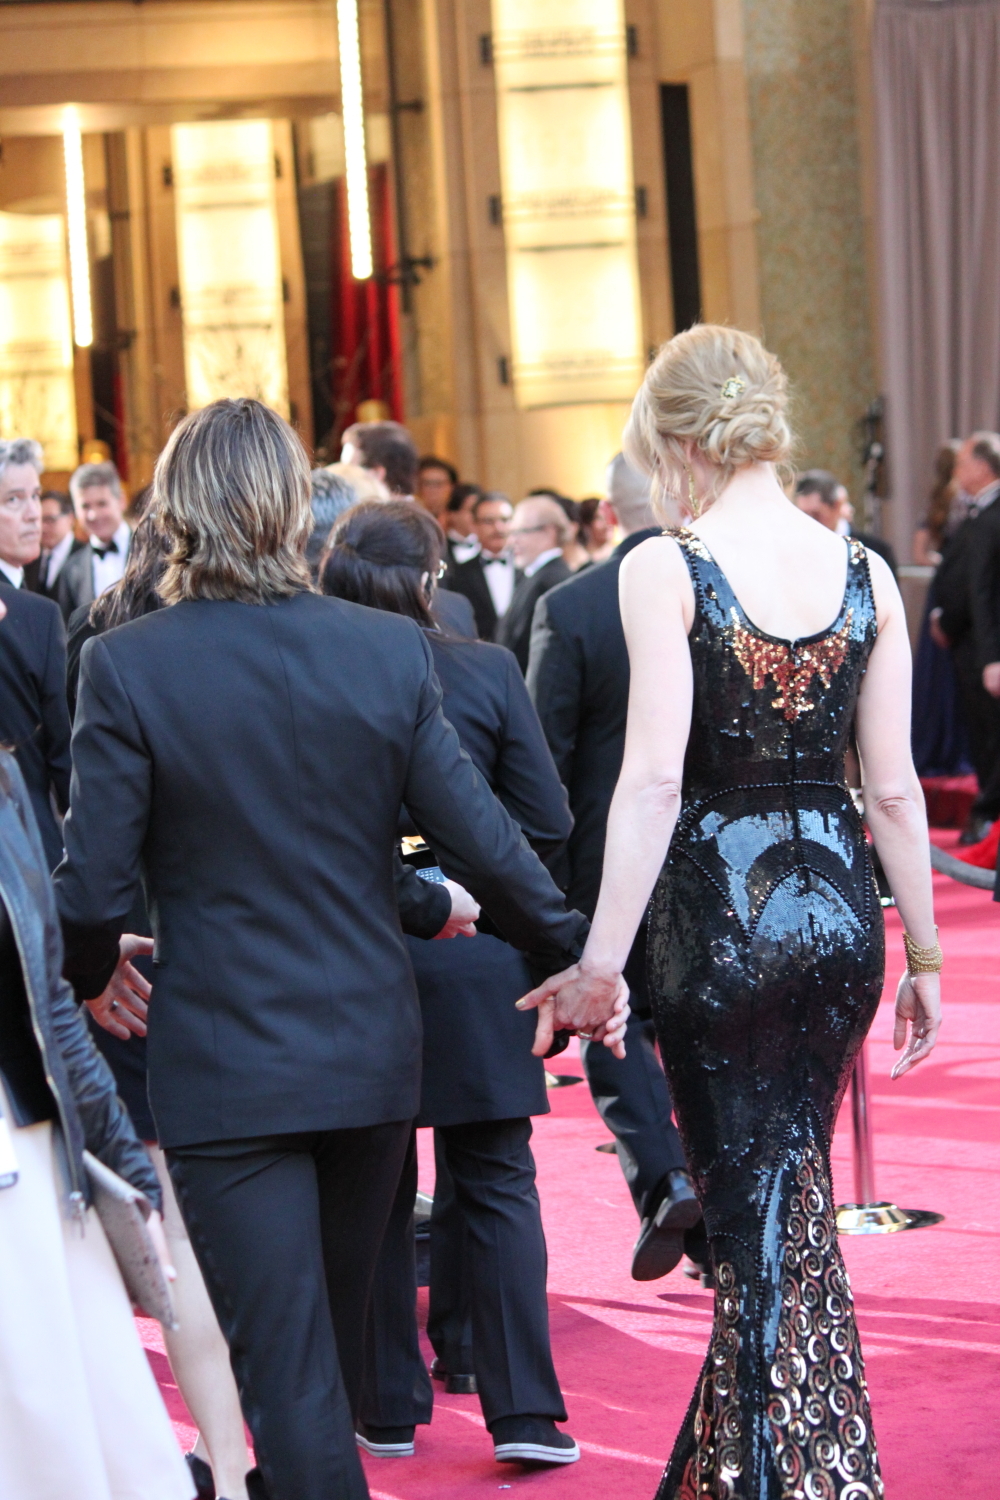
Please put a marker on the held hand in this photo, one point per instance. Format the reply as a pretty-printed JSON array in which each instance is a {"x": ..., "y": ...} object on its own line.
[
  {"x": 155, "y": 1226},
  {"x": 991, "y": 678},
  {"x": 579, "y": 999},
  {"x": 464, "y": 913},
  {"x": 918, "y": 1001},
  {"x": 122, "y": 1007}
]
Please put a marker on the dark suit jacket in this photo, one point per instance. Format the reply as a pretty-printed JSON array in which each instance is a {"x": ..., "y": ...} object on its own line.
[
  {"x": 75, "y": 584},
  {"x": 578, "y": 677},
  {"x": 35, "y": 583},
  {"x": 953, "y": 579},
  {"x": 514, "y": 630},
  {"x": 477, "y": 1047},
  {"x": 455, "y": 614},
  {"x": 984, "y": 586},
  {"x": 251, "y": 762},
  {"x": 469, "y": 579},
  {"x": 876, "y": 544},
  {"x": 34, "y": 721}
]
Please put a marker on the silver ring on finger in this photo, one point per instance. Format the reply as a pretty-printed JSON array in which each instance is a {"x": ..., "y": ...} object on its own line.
[{"x": 115, "y": 1005}]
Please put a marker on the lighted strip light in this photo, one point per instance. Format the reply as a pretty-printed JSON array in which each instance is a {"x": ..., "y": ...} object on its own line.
[
  {"x": 352, "y": 104},
  {"x": 76, "y": 220}
]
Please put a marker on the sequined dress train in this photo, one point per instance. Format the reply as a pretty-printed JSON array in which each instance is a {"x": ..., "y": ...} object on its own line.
[{"x": 766, "y": 957}]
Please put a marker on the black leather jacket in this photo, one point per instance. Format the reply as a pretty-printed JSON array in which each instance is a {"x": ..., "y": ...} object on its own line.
[{"x": 90, "y": 1114}]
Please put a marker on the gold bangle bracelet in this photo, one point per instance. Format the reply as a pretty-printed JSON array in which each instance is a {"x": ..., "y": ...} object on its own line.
[{"x": 923, "y": 960}]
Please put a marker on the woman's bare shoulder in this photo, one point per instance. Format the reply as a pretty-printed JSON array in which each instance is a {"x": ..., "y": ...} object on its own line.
[{"x": 657, "y": 560}]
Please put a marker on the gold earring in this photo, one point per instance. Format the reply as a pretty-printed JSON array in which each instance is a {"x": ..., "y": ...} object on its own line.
[{"x": 694, "y": 504}]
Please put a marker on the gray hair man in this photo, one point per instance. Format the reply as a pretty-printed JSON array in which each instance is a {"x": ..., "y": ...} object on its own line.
[
  {"x": 33, "y": 714},
  {"x": 99, "y": 502},
  {"x": 538, "y": 532},
  {"x": 578, "y": 677}
]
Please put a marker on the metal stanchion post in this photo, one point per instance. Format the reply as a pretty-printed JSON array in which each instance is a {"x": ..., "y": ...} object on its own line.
[{"x": 867, "y": 1215}]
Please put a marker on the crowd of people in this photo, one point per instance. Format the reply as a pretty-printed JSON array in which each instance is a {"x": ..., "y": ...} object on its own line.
[{"x": 334, "y": 802}]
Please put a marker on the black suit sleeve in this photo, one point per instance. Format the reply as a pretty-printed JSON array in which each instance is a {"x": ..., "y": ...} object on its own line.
[
  {"x": 526, "y": 780},
  {"x": 106, "y": 827},
  {"x": 951, "y": 591},
  {"x": 55, "y": 713},
  {"x": 984, "y": 590},
  {"x": 477, "y": 843},
  {"x": 424, "y": 906}
]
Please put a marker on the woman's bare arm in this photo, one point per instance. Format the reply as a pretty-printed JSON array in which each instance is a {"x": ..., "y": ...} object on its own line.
[
  {"x": 894, "y": 806},
  {"x": 657, "y": 606}
]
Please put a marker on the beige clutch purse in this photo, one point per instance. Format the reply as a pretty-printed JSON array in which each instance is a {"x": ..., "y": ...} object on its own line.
[{"x": 123, "y": 1211}]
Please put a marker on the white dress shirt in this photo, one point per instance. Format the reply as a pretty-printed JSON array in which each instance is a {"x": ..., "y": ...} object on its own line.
[
  {"x": 498, "y": 570},
  {"x": 541, "y": 560},
  {"x": 985, "y": 498},
  {"x": 464, "y": 548},
  {"x": 109, "y": 568},
  {"x": 12, "y": 574},
  {"x": 52, "y": 565}
]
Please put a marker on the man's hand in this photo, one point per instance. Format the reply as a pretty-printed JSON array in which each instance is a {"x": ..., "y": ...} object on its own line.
[
  {"x": 991, "y": 678},
  {"x": 936, "y": 633},
  {"x": 464, "y": 913},
  {"x": 122, "y": 1007},
  {"x": 581, "y": 1000}
]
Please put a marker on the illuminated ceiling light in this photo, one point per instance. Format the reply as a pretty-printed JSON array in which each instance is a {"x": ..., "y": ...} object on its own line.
[
  {"x": 352, "y": 104},
  {"x": 76, "y": 220}
]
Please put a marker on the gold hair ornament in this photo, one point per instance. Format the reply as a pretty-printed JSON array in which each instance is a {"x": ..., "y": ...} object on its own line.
[
  {"x": 733, "y": 387},
  {"x": 923, "y": 960}
]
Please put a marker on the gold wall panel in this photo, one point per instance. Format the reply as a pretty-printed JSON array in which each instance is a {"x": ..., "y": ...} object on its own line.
[{"x": 36, "y": 341}]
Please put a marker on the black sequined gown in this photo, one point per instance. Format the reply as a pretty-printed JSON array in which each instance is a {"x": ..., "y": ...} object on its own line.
[{"x": 766, "y": 965}]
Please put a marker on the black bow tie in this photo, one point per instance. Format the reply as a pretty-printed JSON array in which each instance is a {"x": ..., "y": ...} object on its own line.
[
  {"x": 102, "y": 552},
  {"x": 494, "y": 557}
]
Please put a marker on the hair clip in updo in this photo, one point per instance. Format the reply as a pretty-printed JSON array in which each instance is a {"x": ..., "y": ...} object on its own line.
[{"x": 733, "y": 387}]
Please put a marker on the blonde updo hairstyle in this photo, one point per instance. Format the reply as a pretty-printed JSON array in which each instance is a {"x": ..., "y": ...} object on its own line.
[{"x": 719, "y": 390}]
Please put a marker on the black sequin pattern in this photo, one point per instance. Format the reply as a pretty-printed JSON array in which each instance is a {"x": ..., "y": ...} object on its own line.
[{"x": 766, "y": 959}]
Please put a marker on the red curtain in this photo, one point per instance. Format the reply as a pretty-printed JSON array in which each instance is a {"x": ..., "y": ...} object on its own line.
[{"x": 365, "y": 314}]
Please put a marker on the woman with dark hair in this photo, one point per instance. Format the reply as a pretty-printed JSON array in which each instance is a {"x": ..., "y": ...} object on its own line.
[
  {"x": 79, "y": 1411},
  {"x": 481, "y": 1083}
]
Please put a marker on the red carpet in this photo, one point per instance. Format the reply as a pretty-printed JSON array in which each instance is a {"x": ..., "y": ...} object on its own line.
[{"x": 928, "y": 1301}]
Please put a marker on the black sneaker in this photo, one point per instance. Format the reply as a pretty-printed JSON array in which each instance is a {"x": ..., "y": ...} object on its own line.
[
  {"x": 386, "y": 1442},
  {"x": 661, "y": 1239},
  {"x": 531, "y": 1440}
]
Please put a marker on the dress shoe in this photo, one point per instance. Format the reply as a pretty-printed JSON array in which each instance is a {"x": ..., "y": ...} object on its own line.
[
  {"x": 386, "y": 1442},
  {"x": 455, "y": 1385},
  {"x": 201, "y": 1477},
  {"x": 256, "y": 1488},
  {"x": 699, "y": 1259},
  {"x": 531, "y": 1440},
  {"x": 661, "y": 1238},
  {"x": 975, "y": 830}
]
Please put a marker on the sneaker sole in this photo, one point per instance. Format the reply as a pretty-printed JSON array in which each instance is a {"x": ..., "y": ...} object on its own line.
[
  {"x": 534, "y": 1453},
  {"x": 385, "y": 1450}
]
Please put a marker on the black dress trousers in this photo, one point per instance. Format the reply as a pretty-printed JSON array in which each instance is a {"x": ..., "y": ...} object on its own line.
[
  {"x": 493, "y": 1175},
  {"x": 287, "y": 1229}
]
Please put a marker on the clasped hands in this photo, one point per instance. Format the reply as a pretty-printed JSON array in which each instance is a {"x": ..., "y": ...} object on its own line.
[{"x": 587, "y": 1000}]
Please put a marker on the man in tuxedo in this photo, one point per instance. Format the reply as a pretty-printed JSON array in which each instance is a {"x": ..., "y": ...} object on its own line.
[
  {"x": 964, "y": 619},
  {"x": 459, "y": 530},
  {"x": 487, "y": 578},
  {"x": 821, "y": 495},
  {"x": 285, "y": 1036},
  {"x": 538, "y": 532},
  {"x": 578, "y": 677},
  {"x": 436, "y": 478},
  {"x": 388, "y": 450},
  {"x": 34, "y": 719},
  {"x": 100, "y": 508},
  {"x": 59, "y": 541}
]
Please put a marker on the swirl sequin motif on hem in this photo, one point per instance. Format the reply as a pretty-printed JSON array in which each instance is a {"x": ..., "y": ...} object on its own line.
[
  {"x": 819, "y": 1413},
  {"x": 766, "y": 963},
  {"x": 715, "y": 1467}
]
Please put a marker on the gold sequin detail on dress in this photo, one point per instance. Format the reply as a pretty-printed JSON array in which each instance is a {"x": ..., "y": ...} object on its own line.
[
  {"x": 792, "y": 667},
  {"x": 819, "y": 1414},
  {"x": 717, "y": 1463}
]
